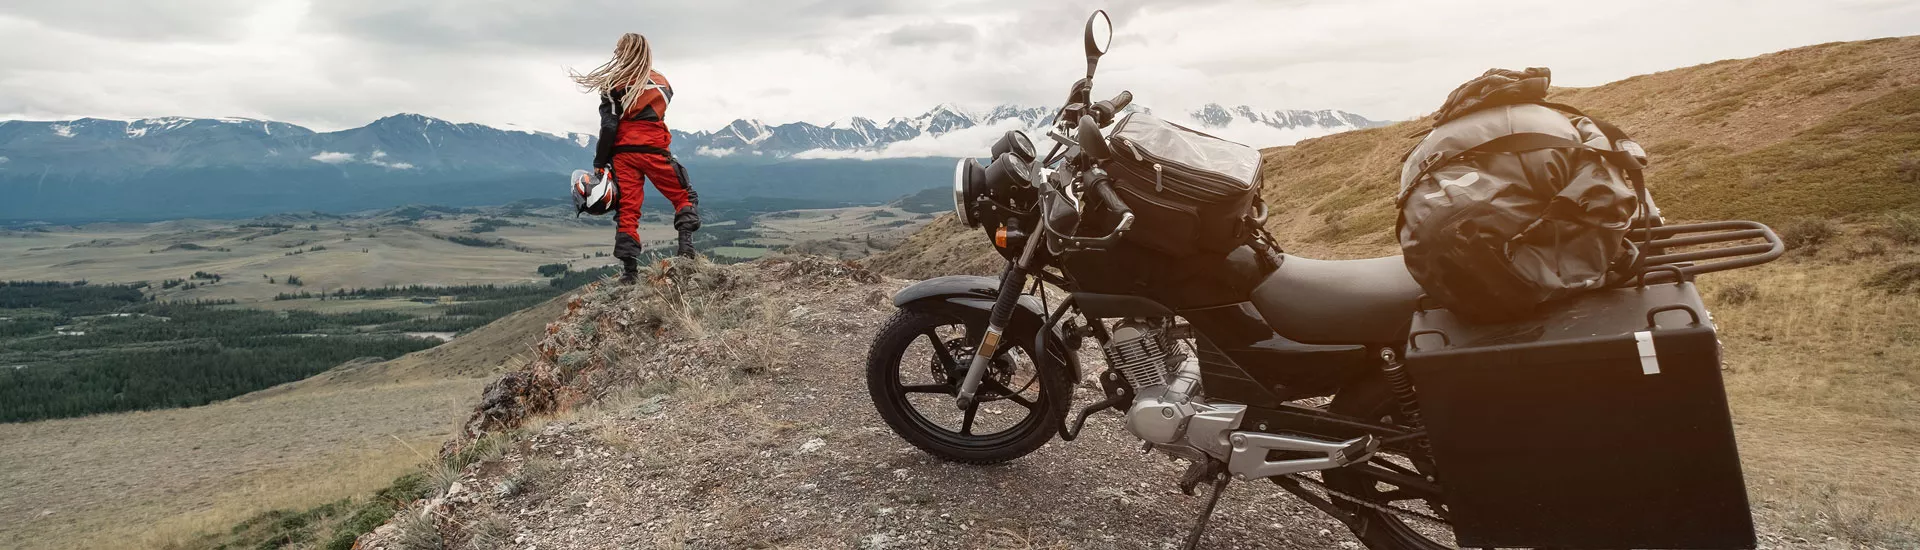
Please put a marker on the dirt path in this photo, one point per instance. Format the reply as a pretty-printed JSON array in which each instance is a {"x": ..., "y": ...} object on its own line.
[{"x": 796, "y": 457}]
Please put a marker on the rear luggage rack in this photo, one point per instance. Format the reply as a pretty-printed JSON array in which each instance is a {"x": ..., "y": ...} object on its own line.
[{"x": 1663, "y": 266}]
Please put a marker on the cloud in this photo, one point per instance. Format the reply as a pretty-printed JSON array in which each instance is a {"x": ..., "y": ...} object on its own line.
[
  {"x": 331, "y": 157},
  {"x": 140, "y": 20},
  {"x": 341, "y": 63},
  {"x": 374, "y": 158},
  {"x": 928, "y": 34}
]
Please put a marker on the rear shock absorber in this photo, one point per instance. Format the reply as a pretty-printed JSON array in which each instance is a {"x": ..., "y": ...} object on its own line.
[{"x": 1403, "y": 391}]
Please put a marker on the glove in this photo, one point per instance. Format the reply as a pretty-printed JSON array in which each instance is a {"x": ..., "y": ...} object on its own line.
[{"x": 603, "y": 173}]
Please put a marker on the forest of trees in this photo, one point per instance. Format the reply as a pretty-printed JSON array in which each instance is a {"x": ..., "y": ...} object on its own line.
[{"x": 72, "y": 349}]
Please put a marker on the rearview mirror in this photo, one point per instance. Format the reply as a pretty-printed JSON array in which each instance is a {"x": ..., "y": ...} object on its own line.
[{"x": 1099, "y": 37}]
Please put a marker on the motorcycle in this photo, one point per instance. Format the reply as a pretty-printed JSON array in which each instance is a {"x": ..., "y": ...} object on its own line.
[{"x": 1291, "y": 373}]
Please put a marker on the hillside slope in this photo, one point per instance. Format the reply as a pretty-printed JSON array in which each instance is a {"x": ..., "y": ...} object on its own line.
[
  {"x": 127, "y": 481},
  {"x": 725, "y": 407},
  {"x": 942, "y": 247},
  {"x": 1821, "y": 131}
]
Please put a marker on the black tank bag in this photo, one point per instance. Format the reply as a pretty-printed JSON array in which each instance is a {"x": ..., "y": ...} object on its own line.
[{"x": 1191, "y": 193}]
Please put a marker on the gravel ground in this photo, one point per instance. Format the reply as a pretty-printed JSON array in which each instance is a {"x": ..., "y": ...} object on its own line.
[{"x": 795, "y": 456}]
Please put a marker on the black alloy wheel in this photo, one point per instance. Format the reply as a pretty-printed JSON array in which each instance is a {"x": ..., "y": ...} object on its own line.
[{"x": 914, "y": 370}]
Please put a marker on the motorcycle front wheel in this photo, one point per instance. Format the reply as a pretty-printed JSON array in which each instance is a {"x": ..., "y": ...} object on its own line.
[{"x": 914, "y": 370}]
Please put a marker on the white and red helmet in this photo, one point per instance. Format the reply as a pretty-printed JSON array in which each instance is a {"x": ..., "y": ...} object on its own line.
[{"x": 596, "y": 196}]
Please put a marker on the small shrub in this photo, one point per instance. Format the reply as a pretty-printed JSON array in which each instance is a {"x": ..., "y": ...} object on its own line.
[
  {"x": 485, "y": 449},
  {"x": 443, "y": 475},
  {"x": 1904, "y": 228},
  {"x": 1872, "y": 248},
  {"x": 489, "y": 531},
  {"x": 533, "y": 473},
  {"x": 1808, "y": 233},
  {"x": 1899, "y": 279},
  {"x": 418, "y": 533},
  {"x": 1907, "y": 170},
  {"x": 1737, "y": 293}
]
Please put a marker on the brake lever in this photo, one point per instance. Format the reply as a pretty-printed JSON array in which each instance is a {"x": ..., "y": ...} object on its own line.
[{"x": 1060, "y": 136}]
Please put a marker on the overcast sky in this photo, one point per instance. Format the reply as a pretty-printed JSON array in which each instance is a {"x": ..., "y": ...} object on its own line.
[{"x": 331, "y": 64}]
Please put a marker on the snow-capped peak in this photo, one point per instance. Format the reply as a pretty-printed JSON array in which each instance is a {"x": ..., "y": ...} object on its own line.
[
  {"x": 749, "y": 131},
  {"x": 1213, "y": 115},
  {"x": 952, "y": 109},
  {"x": 851, "y": 123}
]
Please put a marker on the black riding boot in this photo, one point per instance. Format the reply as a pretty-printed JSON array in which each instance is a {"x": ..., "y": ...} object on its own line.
[
  {"x": 631, "y": 271},
  {"x": 687, "y": 221},
  {"x": 686, "y": 245}
]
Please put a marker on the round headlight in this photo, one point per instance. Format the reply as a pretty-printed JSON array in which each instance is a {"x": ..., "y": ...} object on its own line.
[
  {"x": 1016, "y": 142},
  {"x": 969, "y": 181}
]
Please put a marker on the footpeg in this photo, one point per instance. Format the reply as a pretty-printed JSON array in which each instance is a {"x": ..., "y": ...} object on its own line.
[{"x": 1249, "y": 457}]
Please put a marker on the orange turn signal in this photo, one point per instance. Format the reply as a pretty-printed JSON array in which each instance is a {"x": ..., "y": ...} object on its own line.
[{"x": 1000, "y": 237}]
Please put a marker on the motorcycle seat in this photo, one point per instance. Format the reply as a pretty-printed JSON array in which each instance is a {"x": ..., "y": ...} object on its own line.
[{"x": 1312, "y": 301}]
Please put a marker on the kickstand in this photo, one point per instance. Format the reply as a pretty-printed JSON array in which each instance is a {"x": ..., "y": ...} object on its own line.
[{"x": 1219, "y": 485}]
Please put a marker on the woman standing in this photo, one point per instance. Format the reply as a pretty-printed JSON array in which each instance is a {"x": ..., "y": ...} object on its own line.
[{"x": 635, "y": 143}]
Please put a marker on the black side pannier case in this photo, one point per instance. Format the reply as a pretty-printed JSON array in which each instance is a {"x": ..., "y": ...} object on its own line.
[
  {"x": 1191, "y": 193},
  {"x": 1588, "y": 425}
]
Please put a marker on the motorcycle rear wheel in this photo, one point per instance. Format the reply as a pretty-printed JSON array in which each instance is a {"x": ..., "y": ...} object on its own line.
[
  {"x": 1378, "y": 530},
  {"x": 942, "y": 337}
]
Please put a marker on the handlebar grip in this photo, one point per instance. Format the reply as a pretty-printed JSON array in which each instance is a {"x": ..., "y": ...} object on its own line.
[
  {"x": 1107, "y": 109},
  {"x": 1104, "y": 191}
]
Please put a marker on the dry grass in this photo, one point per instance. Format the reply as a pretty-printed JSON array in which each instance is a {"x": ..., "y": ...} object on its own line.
[
  {"x": 159, "y": 478},
  {"x": 1900, "y": 279},
  {"x": 1903, "y": 227},
  {"x": 418, "y": 531},
  {"x": 942, "y": 247},
  {"x": 1820, "y": 375},
  {"x": 394, "y": 255},
  {"x": 1808, "y": 233},
  {"x": 1009, "y": 539},
  {"x": 163, "y": 478}
]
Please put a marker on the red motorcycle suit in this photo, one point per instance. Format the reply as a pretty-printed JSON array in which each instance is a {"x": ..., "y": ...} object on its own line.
[{"x": 636, "y": 144}]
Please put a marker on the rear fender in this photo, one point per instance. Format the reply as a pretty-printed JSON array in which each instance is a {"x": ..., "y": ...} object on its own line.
[{"x": 974, "y": 295}]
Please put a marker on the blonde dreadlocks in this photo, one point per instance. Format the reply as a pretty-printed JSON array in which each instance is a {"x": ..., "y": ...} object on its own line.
[{"x": 631, "y": 64}]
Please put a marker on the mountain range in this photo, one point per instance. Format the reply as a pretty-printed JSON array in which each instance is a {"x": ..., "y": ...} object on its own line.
[
  {"x": 753, "y": 137},
  {"x": 157, "y": 168}
]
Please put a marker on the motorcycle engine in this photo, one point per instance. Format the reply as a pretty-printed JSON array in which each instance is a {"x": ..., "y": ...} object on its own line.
[
  {"x": 1165, "y": 383},
  {"x": 1141, "y": 352}
]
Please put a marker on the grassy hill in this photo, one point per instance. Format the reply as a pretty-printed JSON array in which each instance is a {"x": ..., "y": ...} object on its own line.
[
  {"x": 1827, "y": 131},
  {"x": 1821, "y": 142},
  {"x": 127, "y": 480}
]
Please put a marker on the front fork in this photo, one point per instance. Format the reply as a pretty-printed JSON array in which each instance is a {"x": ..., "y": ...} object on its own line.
[{"x": 1011, "y": 284}]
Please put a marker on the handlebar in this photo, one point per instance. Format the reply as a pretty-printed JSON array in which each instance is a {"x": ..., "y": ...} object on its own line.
[
  {"x": 1102, "y": 188},
  {"x": 1105, "y": 110},
  {"x": 1099, "y": 188}
]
